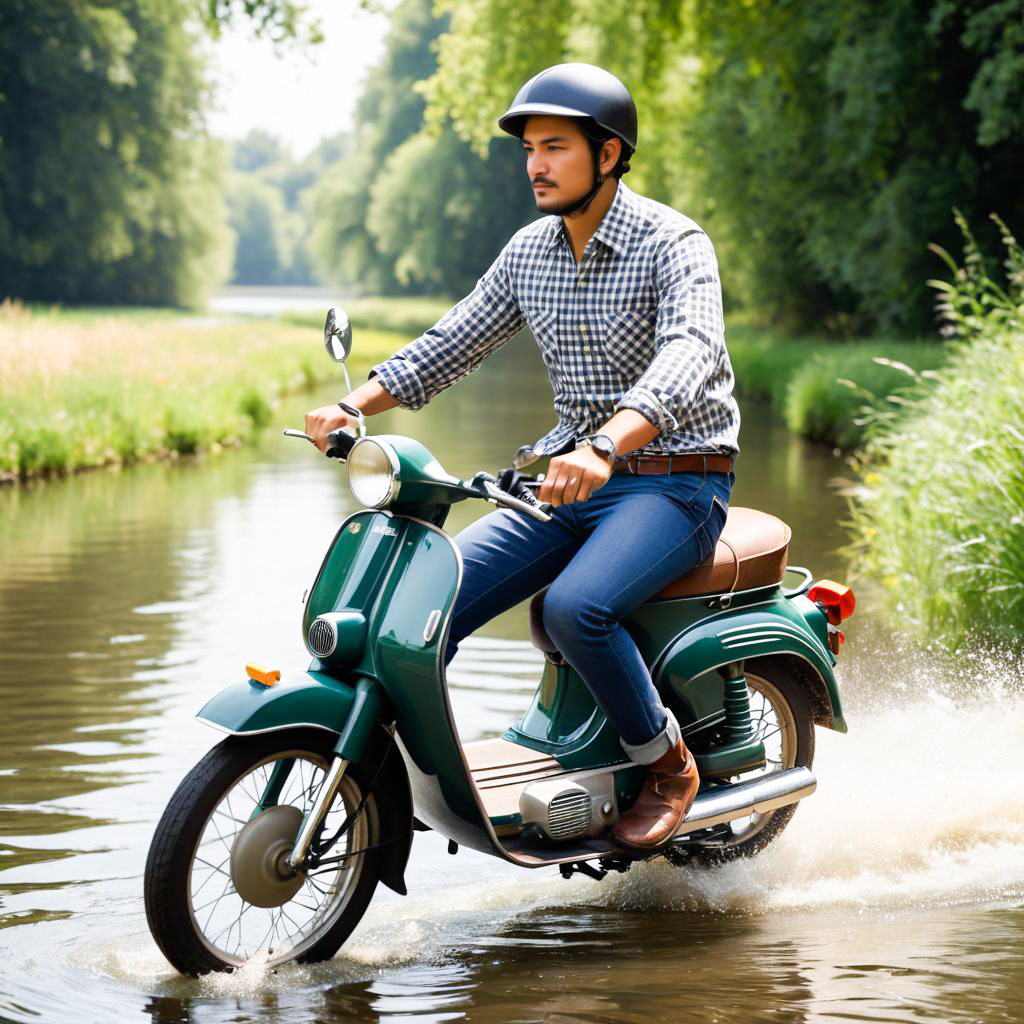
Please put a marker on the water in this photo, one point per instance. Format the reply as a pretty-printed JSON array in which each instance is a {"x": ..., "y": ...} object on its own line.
[{"x": 897, "y": 894}]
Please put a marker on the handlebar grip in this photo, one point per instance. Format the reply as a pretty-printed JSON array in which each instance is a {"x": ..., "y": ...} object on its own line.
[
  {"x": 511, "y": 482},
  {"x": 339, "y": 444},
  {"x": 523, "y": 493}
]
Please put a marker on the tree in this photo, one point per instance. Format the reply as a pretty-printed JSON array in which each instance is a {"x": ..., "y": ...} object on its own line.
[
  {"x": 823, "y": 145},
  {"x": 257, "y": 151},
  {"x": 257, "y": 217},
  {"x": 409, "y": 210},
  {"x": 108, "y": 185}
]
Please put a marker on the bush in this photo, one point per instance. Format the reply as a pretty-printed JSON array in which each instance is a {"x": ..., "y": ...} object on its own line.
[
  {"x": 832, "y": 397},
  {"x": 823, "y": 387},
  {"x": 939, "y": 518}
]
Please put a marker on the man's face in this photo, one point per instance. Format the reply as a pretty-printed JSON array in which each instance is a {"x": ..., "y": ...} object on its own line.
[{"x": 558, "y": 162}]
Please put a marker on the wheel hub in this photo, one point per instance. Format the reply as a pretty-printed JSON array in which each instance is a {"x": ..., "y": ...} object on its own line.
[{"x": 259, "y": 867}]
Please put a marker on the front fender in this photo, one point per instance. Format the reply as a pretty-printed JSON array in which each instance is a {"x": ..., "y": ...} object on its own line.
[
  {"x": 298, "y": 699},
  {"x": 318, "y": 700}
]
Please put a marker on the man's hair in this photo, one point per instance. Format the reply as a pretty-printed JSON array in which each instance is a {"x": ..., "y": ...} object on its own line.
[{"x": 597, "y": 136}]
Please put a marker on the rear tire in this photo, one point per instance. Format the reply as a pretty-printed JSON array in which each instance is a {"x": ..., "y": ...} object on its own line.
[
  {"x": 782, "y": 718},
  {"x": 195, "y": 913}
]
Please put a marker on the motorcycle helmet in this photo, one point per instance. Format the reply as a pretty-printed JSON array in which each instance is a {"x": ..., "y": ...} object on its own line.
[{"x": 591, "y": 95}]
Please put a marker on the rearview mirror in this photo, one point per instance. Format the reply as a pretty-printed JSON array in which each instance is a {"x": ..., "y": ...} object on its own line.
[{"x": 337, "y": 335}]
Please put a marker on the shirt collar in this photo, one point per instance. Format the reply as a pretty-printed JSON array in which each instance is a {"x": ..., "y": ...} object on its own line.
[{"x": 616, "y": 228}]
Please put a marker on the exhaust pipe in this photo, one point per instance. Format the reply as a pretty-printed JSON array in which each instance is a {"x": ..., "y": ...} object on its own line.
[{"x": 726, "y": 803}]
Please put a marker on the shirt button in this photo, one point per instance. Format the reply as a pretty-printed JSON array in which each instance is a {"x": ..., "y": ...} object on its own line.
[
  {"x": 586, "y": 348},
  {"x": 583, "y": 328}
]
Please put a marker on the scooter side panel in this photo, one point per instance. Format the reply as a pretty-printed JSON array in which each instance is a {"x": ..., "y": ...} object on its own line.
[
  {"x": 408, "y": 640},
  {"x": 354, "y": 567},
  {"x": 299, "y": 699}
]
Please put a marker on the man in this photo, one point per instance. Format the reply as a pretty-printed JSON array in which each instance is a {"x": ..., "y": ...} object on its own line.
[{"x": 623, "y": 297}]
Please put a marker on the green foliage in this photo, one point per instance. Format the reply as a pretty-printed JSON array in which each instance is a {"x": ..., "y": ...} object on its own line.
[
  {"x": 839, "y": 135},
  {"x": 404, "y": 209},
  {"x": 268, "y": 202},
  {"x": 257, "y": 151},
  {"x": 844, "y": 388},
  {"x": 109, "y": 190},
  {"x": 939, "y": 520},
  {"x": 817, "y": 142},
  {"x": 279, "y": 20},
  {"x": 493, "y": 46},
  {"x": 257, "y": 213},
  {"x": 828, "y": 392}
]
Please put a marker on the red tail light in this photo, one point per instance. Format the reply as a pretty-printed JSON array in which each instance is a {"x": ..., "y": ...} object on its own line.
[{"x": 837, "y": 600}]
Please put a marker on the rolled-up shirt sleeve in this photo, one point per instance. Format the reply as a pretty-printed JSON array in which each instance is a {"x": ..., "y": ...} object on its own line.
[
  {"x": 689, "y": 333},
  {"x": 457, "y": 344}
]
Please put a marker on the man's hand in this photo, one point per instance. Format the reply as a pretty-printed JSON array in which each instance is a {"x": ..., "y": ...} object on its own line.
[
  {"x": 320, "y": 422},
  {"x": 574, "y": 477}
]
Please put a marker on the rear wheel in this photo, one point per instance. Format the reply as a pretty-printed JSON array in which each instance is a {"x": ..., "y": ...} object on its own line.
[
  {"x": 782, "y": 720},
  {"x": 217, "y": 890}
]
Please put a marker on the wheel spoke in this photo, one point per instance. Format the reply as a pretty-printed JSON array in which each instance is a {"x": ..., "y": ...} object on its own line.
[{"x": 228, "y": 926}]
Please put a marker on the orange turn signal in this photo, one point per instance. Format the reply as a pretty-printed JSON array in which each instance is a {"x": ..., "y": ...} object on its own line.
[
  {"x": 838, "y": 600},
  {"x": 263, "y": 675}
]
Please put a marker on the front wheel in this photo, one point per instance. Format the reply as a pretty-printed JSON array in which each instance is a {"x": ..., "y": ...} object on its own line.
[
  {"x": 227, "y": 828},
  {"x": 781, "y": 715}
]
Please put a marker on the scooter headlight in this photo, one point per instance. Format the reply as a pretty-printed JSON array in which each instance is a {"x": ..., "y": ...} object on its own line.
[{"x": 373, "y": 473}]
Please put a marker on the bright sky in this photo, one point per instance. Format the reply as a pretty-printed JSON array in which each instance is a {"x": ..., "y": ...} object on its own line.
[{"x": 299, "y": 94}]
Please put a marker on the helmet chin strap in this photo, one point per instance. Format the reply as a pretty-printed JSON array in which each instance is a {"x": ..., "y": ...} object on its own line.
[{"x": 582, "y": 204}]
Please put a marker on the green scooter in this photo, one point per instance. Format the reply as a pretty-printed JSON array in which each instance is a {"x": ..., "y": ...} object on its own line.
[{"x": 273, "y": 845}]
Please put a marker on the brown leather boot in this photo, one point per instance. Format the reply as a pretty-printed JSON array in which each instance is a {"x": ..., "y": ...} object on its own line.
[{"x": 668, "y": 793}]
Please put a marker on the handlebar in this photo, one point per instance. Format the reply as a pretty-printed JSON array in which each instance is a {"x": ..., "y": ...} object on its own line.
[
  {"x": 498, "y": 492},
  {"x": 510, "y": 490},
  {"x": 339, "y": 444}
]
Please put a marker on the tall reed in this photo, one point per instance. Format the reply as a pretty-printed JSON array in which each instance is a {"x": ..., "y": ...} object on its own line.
[{"x": 939, "y": 516}]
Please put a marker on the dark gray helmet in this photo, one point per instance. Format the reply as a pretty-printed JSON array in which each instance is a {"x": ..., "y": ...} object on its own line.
[{"x": 575, "y": 90}]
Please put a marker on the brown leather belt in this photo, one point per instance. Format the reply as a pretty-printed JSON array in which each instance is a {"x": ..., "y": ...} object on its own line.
[{"x": 654, "y": 465}]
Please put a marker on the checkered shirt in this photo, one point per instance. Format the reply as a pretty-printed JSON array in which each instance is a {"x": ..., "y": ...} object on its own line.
[{"x": 637, "y": 325}]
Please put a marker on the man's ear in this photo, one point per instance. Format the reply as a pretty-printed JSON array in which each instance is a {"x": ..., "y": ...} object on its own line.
[{"x": 610, "y": 153}]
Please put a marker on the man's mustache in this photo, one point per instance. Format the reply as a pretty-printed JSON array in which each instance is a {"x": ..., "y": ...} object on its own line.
[{"x": 543, "y": 181}]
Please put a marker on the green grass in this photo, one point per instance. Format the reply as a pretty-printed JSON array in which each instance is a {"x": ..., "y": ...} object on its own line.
[
  {"x": 939, "y": 519},
  {"x": 85, "y": 389},
  {"x": 823, "y": 387}
]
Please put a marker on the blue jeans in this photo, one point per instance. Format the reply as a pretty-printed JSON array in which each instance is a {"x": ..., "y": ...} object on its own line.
[{"x": 602, "y": 558}]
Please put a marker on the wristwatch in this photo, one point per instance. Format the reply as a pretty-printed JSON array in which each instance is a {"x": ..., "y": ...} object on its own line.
[{"x": 602, "y": 444}]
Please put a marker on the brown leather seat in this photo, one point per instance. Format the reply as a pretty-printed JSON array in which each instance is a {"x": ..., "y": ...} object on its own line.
[{"x": 751, "y": 552}]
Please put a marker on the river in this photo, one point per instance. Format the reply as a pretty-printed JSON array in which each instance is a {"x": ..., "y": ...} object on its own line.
[{"x": 127, "y": 598}]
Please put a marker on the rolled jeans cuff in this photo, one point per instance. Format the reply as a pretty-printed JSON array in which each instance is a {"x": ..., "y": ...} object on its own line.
[{"x": 649, "y": 752}]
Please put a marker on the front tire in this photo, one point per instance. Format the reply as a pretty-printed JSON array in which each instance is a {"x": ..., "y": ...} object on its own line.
[{"x": 196, "y": 915}]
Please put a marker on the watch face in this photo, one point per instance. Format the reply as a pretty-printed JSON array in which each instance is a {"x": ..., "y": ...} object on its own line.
[{"x": 603, "y": 445}]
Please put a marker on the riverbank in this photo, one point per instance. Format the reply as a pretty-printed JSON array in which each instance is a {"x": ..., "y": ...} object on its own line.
[
  {"x": 86, "y": 388},
  {"x": 83, "y": 388}
]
